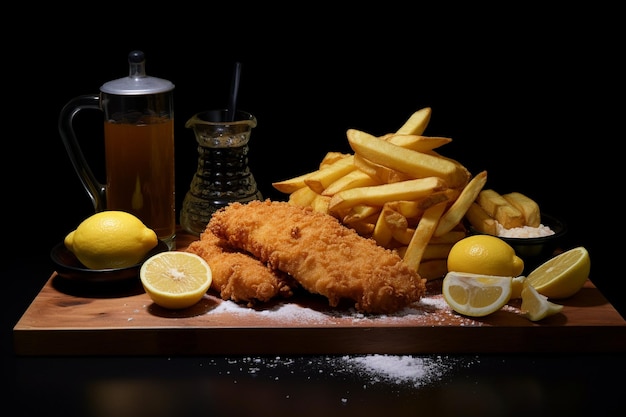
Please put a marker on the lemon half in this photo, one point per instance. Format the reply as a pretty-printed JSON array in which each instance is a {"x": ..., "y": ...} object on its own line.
[
  {"x": 563, "y": 275},
  {"x": 175, "y": 280}
]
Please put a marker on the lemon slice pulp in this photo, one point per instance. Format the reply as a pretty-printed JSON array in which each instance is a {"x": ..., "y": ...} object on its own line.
[
  {"x": 175, "y": 280},
  {"x": 517, "y": 284},
  {"x": 563, "y": 275},
  {"x": 476, "y": 295},
  {"x": 535, "y": 306}
]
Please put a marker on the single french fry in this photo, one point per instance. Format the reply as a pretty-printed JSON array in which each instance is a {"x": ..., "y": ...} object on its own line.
[
  {"x": 367, "y": 167},
  {"x": 400, "y": 250},
  {"x": 446, "y": 196},
  {"x": 331, "y": 157},
  {"x": 452, "y": 236},
  {"x": 422, "y": 235},
  {"x": 360, "y": 212},
  {"x": 401, "y": 231},
  {"x": 413, "y": 163},
  {"x": 433, "y": 269},
  {"x": 364, "y": 225},
  {"x": 394, "y": 218},
  {"x": 291, "y": 185},
  {"x": 403, "y": 236},
  {"x": 383, "y": 174},
  {"x": 382, "y": 233},
  {"x": 480, "y": 220},
  {"x": 320, "y": 203},
  {"x": 415, "y": 208},
  {"x": 363, "y": 228},
  {"x": 353, "y": 179},
  {"x": 416, "y": 123},
  {"x": 409, "y": 209},
  {"x": 497, "y": 207},
  {"x": 436, "y": 251},
  {"x": 528, "y": 207},
  {"x": 417, "y": 142},
  {"x": 380, "y": 194},
  {"x": 319, "y": 180},
  {"x": 489, "y": 200},
  {"x": 371, "y": 219},
  {"x": 457, "y": 210},
  {"x": 463, "y": 172},
  {"x": 302, "y": 197}
]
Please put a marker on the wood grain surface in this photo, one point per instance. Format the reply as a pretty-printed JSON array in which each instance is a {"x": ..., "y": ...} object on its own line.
[{"x": 78, "y": 318}]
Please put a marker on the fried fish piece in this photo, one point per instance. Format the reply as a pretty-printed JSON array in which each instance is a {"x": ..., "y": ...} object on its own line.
[
  {"x": 238, "y": 276},
  {"x": 324, "y": 256}
]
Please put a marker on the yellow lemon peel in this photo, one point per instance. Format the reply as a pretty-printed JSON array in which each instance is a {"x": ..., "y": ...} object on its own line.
[{"x": 111, "y": 239}]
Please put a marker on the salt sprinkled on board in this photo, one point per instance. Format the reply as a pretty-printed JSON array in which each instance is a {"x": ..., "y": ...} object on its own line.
[
  {"x": 431, "y": 309},
  {"x": 281, "y": 311}
]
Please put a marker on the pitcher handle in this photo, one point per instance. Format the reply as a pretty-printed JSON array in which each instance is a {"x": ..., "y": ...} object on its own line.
[{"x": 95, "y": 190}]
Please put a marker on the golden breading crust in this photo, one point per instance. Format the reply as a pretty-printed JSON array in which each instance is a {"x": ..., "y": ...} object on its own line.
[
  {"x": 324, "y": 256},
  {"x": 238, "y": 276}
]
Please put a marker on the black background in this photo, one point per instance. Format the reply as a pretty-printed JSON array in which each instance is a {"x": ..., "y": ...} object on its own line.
[
  {"x": 533, "y": 96},
  {"x": 530, "y": 99}
]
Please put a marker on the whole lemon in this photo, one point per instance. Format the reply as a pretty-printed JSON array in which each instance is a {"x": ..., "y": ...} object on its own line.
[
  {"x": 111, "y": 239},
  {"x": 484, "y": 254}
]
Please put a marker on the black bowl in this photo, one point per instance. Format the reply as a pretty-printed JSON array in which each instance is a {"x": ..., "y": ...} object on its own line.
[
  {"x": 69, "y": 267},
  {"x": 536, "y": 250}
]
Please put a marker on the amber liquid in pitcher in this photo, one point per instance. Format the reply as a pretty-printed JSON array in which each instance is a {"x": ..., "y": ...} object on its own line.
[{"x": 140, "y": 172}]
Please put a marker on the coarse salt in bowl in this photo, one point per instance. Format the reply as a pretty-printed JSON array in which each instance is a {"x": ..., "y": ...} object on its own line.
[{"x": 534, "y": 245}]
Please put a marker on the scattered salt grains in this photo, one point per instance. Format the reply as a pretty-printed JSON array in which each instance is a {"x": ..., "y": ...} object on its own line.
[{"x": 398, "y": 370}]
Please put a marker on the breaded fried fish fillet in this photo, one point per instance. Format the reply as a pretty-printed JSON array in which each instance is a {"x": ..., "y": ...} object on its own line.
[
  {"x": 238, "y": 276},
  {"x": 324, "y": 256}
]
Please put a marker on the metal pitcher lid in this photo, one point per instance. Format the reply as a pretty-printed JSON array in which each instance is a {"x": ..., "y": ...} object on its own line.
[{"x": 137, "y": 81}]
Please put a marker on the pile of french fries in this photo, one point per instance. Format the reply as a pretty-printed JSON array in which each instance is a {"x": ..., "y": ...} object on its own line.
[{"x": 396, "y": 189}]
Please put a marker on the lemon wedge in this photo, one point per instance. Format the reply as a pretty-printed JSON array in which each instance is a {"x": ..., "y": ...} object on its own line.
[
  {"x": 517, "y": 284},
  {"x": 535, "y": 306},
  {"x": 476, "y": 295}
]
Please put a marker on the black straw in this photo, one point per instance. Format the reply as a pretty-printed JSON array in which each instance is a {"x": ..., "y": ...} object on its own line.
[{"x": 234, "y": 91}]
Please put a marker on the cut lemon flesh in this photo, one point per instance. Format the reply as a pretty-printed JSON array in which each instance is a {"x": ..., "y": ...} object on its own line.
[
  {"x": 536, "y": 306},
  {"x": 563, "y": 275},
  {"x": 517, "y": 284},
  {"x": 175, "y": 280},
  {"x": 476, "y": 295}
]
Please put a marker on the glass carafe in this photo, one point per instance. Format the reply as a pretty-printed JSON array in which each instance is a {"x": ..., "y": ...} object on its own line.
[{"x": 223, "y": 175}]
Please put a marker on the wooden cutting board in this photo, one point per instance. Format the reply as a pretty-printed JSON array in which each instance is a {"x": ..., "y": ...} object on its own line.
[{"x": 70, "y": 319}]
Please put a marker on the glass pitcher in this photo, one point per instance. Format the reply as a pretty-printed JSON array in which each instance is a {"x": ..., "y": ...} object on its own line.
[{"x": 139, "y": 147}]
